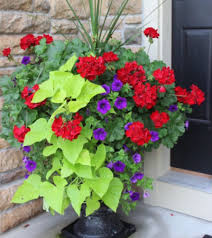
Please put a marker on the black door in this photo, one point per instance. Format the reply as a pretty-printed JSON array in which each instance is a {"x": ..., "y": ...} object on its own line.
[{"x": 192, "y": 62}]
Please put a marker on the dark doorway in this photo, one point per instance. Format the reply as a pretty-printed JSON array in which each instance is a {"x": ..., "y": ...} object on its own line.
[{"x": 192, "y": 62}]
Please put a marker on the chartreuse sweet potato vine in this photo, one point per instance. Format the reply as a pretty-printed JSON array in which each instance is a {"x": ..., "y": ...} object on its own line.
[{"x": 76, "y": 175}]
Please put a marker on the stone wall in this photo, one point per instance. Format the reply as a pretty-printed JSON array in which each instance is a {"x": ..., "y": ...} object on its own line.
[{"x": 20, "y": 17}]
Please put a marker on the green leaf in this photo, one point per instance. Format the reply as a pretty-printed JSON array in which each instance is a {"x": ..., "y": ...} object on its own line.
[
  {"x": 99, "y": 157},
  {"x": 59, "y": 181},
  {"x": 49, "y": 150},
  {"x": 67, "y": 169},
  {"x": 73, "y": 86},
  {"x": 69, "y": 64},
  {"x": 72, "y": 149},
  {"x": 75, "y": 106},
  {"x": 84, "y": 158},
  {"x": 29, "y": 190},
  {"x": 77, "y": 196},
  {"x": 101, "y": 184},
  {"x": 59, "y": 96},
  {"x": 56, "y": 165},
  {"x": 91, "y": 206},
  {"x": 113, "y": 195},
  {"x": 38, "y": 132},
  {"x": 83, "y": 171},
  {"x": 87, "y": 132}
]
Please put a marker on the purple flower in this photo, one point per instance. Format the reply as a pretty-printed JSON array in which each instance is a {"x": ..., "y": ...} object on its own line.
[
  {"x": 146, "y": 194},
  {"x": 27, "y": 149},
  {"x": 126, "y": 127},
  {"x": 106, "y": 88},
  {"x": 155, "y": 136},
  {"x": 137, "y": 158},
  {"x": 116, "y": 85},
  {"x": 25, "y": 159},
  {"x": 25, "y": 60},
  {"x": 136, "y": 177},
  {"x": 26, "y": 176},
  {"x": 120, "y": 103},
  {"x": 110, "y": 165},
  {"x": 119, "y": 166},
  {"x": 100, "y": 134},
  {"x": 187, "y": 125},
  {"x": 88, "y": 112},
  {"x": 31, "y": 165},
  {"x": 103, "y": 106},
  {"x": 126, "y": 149},
  {"x": 134, "y": 196},
  {"x": 173, "y": 108}
]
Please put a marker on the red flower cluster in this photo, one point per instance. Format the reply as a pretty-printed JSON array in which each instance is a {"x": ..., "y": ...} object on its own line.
[
  {"x": 19, "y": 133},
  {"x": 159, "y": 119},
  {"x": 28, "y": 94},
  {"x": 151, "y": 32},
  {"x": 164, "y": 76},
  {"x": 109, "y": 57},
  {"x": 6, "y": 52},
  {"x": 90, "y": 67},
  {"x": 69, "y": 130},
  {"x": 138, "y": 134},
  {"x": 30, "y": 40},
  {"x": 145, "y": 95},
  {"x": 132, "y": 73},
  {"x": 196, "y": 96}
]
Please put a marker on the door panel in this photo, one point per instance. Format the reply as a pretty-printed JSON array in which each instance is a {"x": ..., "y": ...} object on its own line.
[{"x": 192, "y": 62}]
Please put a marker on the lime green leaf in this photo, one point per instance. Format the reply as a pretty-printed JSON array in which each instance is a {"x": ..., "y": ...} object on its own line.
[
  {"x": 29, "y": 190},
  {"x": 75, "y": 106},
  {"x": 99, "y": 157},
  {"x": 37, "y": 133},
  {"x": 45, "y": 91},
  {"x": 67, "y": 169},
  {"x": 101, "y": 184},
  {"x": 87, "y": 132},
  {"x": 84, "y": 158},
  {"x": 59, "y": 96},
  {"x": 69, "y": 64},
  {"x": 56, "y": 165},
  {"x": 91, "y": 206},
  {"x": 83, "y": 171},
  {"x": 72, "y": 149},
  {"x": 49, "y": 150},
  {"x": 73, "y": 86},
  {"x": 59, "y": 181},
  {"x": 112, "y": 197}
]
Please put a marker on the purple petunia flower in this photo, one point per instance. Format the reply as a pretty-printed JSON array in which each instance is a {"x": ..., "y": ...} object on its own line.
[
  {"x": 134, "y": 196},
  {"x": 137, "y": 158},
  {"x": 116, "y": 85},
  {"x": 119, "y": 166},
  {"x": 137, "y": 176},
  {"x": 31, "y": 165},
  {"x": 126, "y": 127},
  {"x": 100, "y": 134},
  {"x": 155, "y": 136},
  {"x": 120, "y": 103},
  {"x": 103, "y": 106},
  {"x": 27, "y": 149},
  {"x": 26, "y": 176},
  {"x": 173, "y": 108},
  {"x": 25, "y": 60},
  {"x": 106, "y": 88},
  {"x": 187, "y": 124},
  {"x": 126, "y": 149},
  {"x": 25, "y": 159},
  {"x": 110, "y": 165},
  {"x": 146, "y": 194}
]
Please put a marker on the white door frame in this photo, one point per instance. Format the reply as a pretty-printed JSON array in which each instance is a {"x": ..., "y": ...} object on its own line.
[{"x": 157, "y": 163}]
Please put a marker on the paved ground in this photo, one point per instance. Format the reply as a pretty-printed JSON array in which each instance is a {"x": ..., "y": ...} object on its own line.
[{"x": 151, "y": 222}]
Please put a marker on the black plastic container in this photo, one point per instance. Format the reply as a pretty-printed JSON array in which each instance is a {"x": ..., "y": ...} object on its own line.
[{"x": 104, "y": 223}]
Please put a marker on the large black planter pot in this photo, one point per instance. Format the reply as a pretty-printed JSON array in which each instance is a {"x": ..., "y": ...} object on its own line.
[{"x": 104, "y": 223}]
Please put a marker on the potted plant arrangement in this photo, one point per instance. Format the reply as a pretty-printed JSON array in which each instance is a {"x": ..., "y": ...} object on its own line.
[{"x": 85, "y": 112}]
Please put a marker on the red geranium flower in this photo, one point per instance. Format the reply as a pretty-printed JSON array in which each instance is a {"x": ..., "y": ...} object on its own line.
[
  {"x": 145, "y": 95},
  {"x": 37, "y": 40},
  {"x": 196, "y": 96},
  {"x": 90, "y": 67},
  {"x": 49, "y": 39},
  {"x": 138, "y": 134},
  {"x": 27, "y": 41},
  {"x": 19, "y": 133},
  {"x": 68, "y": 130},
  {"x": 181, "y": 94},
  {"x": 78, "y": 118},
  {"x": 151, "y": 32},
  {"x": 164, "y": 76},
  {"x": 110, "y": 57},
  {"x": 132, "y": 73},
  {"x": 6, "y": 52},
  {"x": 159, "y": 119},
  {"x": 28, "y": 94}
]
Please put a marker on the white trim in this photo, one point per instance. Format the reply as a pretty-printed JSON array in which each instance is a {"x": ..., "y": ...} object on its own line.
[{"x": 157, "y": 163}]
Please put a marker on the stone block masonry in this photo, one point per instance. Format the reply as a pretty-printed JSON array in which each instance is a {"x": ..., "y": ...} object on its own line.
[{"x": 18, "y": 18}]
